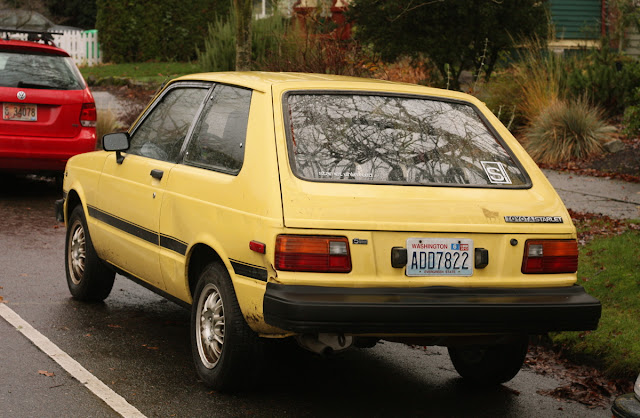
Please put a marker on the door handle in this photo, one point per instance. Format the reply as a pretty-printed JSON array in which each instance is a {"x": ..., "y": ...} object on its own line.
[{"x": 157, "y": 174}]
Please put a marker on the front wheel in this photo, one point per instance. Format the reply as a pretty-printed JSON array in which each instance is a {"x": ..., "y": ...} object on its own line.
[
  {"x": 490, "y": 364},
  {"x": 225, "y": 350},
  {"x": 88, "y": 278}
]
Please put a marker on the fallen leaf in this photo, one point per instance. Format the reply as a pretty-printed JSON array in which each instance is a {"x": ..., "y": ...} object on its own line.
[
  {"x": 114, "y": 326},
  {"x": 46, "y": 373},
  {"x": 2, "y": 300}
]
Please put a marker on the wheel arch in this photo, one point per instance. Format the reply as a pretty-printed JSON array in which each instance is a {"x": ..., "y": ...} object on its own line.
[
  {"x": 73, "y": 200},
  {"x": 200, "y": 256}
]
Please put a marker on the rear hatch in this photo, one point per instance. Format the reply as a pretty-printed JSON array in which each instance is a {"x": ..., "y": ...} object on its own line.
[
  {"x": 41, "y": 95},
  {"x": 395, "y": 170}
]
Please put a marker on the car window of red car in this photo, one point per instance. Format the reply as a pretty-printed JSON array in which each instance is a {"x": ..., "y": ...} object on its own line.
[{"x": 38, "y": 71}]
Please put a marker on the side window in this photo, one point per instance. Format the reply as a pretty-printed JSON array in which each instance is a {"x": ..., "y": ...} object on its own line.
[
  {"x": 219, "y": 138},
  {"x": 161, "y": 134}
]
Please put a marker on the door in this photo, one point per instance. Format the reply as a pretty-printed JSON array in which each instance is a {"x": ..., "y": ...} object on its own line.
[{"x": 130, "y": 192}]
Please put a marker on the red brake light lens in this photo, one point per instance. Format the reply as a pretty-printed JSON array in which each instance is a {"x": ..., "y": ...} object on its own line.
[
  {"x": 312, "y": 253},
  {"x": 88, "y": 115},
  {"x": 550, "y": 256}
]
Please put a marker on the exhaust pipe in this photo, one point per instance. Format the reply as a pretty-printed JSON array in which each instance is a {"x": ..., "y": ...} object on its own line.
[{"x": 324, "y": 344}]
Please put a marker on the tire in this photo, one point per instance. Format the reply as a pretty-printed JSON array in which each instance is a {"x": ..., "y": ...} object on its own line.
[
  {"x": 88, "y": 278},
  {"x": 489, "y": 364},
  {"x": 226, "y": 352}
]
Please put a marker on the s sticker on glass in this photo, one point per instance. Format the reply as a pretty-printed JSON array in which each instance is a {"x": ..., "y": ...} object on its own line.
[{"x": 496, "y": 172}]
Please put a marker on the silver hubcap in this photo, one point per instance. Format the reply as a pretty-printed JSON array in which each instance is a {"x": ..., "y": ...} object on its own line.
[
  {"x": 77, "y": 253},
  {"x": 210, "y": 326}
]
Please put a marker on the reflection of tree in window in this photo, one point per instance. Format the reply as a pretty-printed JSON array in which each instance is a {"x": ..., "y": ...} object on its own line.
[
  {"x": 392, "y": 139},
  {"x": 219, "y": 137},
  {"x": 38, "y": 72},
  {"x": 161, "y": 134}
]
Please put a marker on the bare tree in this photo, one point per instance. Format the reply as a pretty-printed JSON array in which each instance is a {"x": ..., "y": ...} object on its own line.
[{"x": 244, "y": 9}]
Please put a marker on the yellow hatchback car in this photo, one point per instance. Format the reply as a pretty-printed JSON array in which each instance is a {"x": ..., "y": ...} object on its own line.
[{"x": 338, "y": 211}]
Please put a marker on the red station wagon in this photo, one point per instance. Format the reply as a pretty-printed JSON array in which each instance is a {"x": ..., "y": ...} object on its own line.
[{"x": 48, "y": 113}]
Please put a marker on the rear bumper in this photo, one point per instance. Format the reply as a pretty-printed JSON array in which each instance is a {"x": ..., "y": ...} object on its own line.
[
  {"x": 43, "y": 153},
  {"x": 427, "y": 310}
]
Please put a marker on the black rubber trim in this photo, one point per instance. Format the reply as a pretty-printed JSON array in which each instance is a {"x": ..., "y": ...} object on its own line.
[
  {"x": 123, "y": 225},
  {"x": 59, "y": 209},
  {"x": 173, "y": 244},
  {"x": 164, "y": 241},
  {"x": 249, "y": 270},
  {"x": 429, "y": 309}
]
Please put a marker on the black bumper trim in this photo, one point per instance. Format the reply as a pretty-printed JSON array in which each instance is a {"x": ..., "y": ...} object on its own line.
[
  {"x": 430, "y": 309},
  {"x": 59, "y": 209}
]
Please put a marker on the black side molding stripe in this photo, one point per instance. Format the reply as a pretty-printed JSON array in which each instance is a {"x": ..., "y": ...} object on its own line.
[
  {"x": 128, "y": 227},
  {"x": 249, "y": 270},
  {"x": 164, "y": 241},
  {"x": 173, "y": 244}
]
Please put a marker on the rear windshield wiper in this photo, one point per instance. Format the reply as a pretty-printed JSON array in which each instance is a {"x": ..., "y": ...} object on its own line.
[{"x": 34, "y": 85}]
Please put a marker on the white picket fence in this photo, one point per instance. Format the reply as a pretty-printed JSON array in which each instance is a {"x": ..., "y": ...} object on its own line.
[{"x": 82, "y": 45}]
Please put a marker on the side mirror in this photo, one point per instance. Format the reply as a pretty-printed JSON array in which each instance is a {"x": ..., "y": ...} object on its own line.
[{"x": 116, "y": 142}]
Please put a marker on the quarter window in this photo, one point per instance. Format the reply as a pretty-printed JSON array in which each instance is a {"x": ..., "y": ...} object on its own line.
[
  {"x": 219, "y": 137},
  {"x": 162, "y": 132}
]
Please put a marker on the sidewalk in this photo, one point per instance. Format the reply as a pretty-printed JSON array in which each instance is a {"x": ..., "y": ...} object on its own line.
[{"x": 617, "y": 199}]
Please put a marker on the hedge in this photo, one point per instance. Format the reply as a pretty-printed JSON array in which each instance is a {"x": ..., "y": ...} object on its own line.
[{"x": 162, "y": 30}]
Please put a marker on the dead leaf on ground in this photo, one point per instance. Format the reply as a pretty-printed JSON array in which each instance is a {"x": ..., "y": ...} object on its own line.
[
  {"x": 588, "y": 385},
  {"x": 46, "y": 373}
]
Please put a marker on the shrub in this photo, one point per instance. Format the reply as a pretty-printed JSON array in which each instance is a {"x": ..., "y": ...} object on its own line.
[
  {"x": 503, "y": 95},
  {"x": 135, "y": 31},
  {"x": 631, "y": 117},
  {"x": 311, "y": 51},
  {"x": 539, "y": 73},
  {"x": 219, "y": 47},
  {"x": 566, "y": 130},
  {"x": 107, "y": 122},
  {"x": 607, "y": 78},
  {"x": 220, "y": 44}
]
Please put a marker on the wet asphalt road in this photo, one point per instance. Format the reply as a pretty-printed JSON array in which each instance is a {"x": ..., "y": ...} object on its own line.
[{"x": 137, "y": 344}]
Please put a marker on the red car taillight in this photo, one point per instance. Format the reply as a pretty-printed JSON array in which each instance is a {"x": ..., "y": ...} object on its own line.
[
  {"x": 550, "y": 256},
  {"x": 88, "y": 115},
  {"x": 312, "y": 253}
]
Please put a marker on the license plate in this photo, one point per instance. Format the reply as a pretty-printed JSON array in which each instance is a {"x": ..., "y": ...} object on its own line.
[
  {"x": 439, "y": 257},
  {"x": 20, "y": 111}
]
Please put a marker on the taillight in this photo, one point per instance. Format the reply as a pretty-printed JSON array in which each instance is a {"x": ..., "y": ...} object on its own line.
[
  {"x": 312, "y": 253},
  {"x": 88, "y": 115},
  {"x": 550, "y": 256}
]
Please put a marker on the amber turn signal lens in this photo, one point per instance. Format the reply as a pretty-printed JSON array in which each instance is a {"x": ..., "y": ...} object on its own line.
[
  {"x": 312, "y": 253},
  {"x": 550, "y": 256}
]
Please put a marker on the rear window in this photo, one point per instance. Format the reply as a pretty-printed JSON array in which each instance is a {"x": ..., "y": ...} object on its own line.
[
  {"x": 368, "y": 138},
  {"x": 38, "y": 71}
]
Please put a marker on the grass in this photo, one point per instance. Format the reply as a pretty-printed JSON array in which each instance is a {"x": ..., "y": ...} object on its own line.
[
  {"x": 610, "y": 271},
  {"x": 566, "y": 130},
  {"x": 146, "y": 72}
]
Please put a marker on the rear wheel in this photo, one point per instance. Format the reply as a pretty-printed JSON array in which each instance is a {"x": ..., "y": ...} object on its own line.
[
  {"x": 88, "y": 278},
  {"x": 490, "y": 364},
  {"x": 225, "y": 350}
]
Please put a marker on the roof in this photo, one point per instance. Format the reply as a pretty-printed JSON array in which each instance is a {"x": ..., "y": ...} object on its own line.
[
  {"x": 30, "y": 46},
  {"x": 265, "y": 81}
]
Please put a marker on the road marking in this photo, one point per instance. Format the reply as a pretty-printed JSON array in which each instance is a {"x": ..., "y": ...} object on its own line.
[{"x": 75, "y": 369}]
